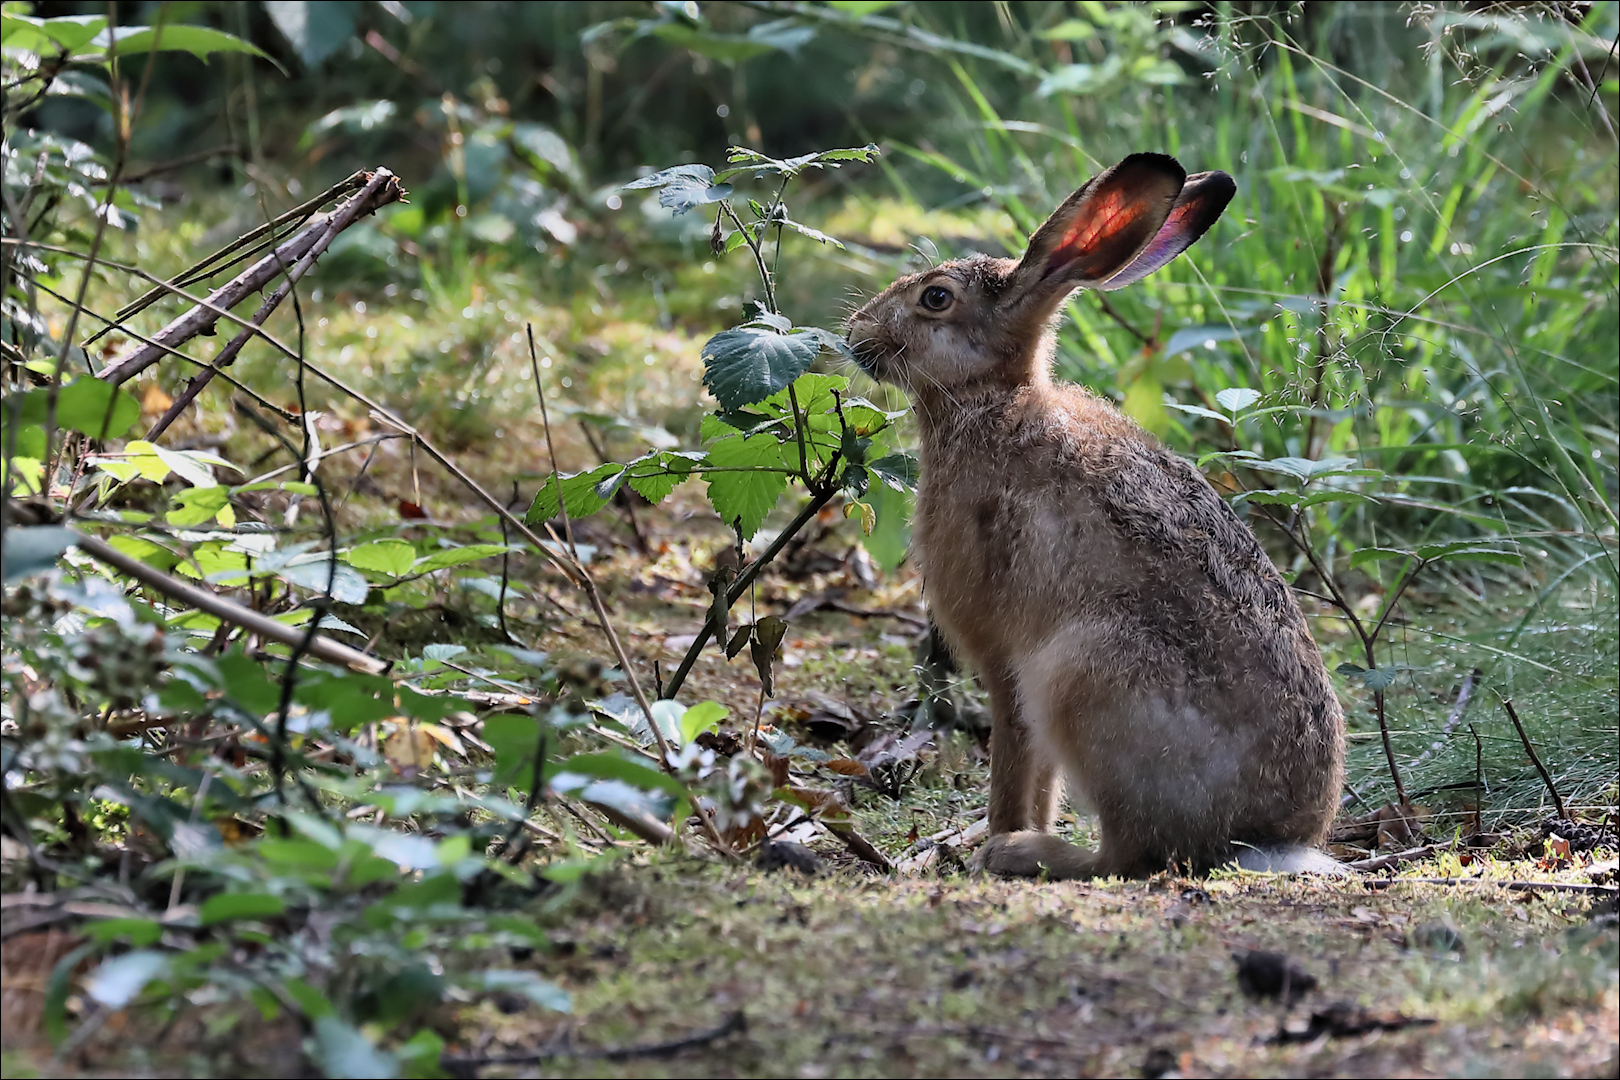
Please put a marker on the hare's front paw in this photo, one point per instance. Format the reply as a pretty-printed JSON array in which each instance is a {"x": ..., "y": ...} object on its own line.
[{"x": 1033, "y": 854}]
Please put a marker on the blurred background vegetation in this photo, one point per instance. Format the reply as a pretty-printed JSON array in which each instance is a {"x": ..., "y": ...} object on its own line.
[{"x": 1399, "y": 351}]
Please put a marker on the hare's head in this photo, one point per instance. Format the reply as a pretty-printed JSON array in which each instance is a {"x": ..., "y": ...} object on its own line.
[{"x": 987, "y": 321}]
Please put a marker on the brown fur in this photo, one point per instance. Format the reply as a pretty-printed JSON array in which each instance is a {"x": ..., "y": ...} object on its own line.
[{"x": 1133, "y": 635}]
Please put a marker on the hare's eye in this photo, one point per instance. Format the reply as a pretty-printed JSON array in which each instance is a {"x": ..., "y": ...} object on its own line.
[{"x": 936, "y": 298}]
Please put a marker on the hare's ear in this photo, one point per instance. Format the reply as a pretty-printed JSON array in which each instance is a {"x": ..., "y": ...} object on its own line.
[
  {"x": 1199, "y": 206},
  {"x": 1098, "y": 231}
]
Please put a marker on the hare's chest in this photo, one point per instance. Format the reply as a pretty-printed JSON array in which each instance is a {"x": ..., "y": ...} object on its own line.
[
  {"x": 1003, "y": 564},
  {"x": 986, "y": 555}
]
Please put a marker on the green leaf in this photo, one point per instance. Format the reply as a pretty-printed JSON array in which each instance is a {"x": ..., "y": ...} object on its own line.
[
  {"x": 200, "y": 41},
  {"x": 316, "y": 30},
  {"x": 459, "y": 556},
  {"x": 1236, "y": 398},
  {"x": 899, "y": 471},
  {"x": 744, "y": 498},
  {"x": 515, "y": 739},
  {"x": 29, "y": 549},
  {"x": 747, "y": 364},
  {"x": 88, "y": 406},
  {"x": 224, "y": 906},
  {"x": 421, "y": 1053},
  {"x": 606, "y": 765},
  {"x": 704, "y": 716},
  {"x": 68, "y": 33},
  {"x": 579, "y": 494},
  {"x": 1379, "y": 554},
  {"x": 392, "y": 557},
  {"x": 346, "y": 1054},
  {"x": 683, "y": 187},
  {"x": 141, "y": 932},
  {"x": 310, "y": 1001},
  {"x": 814, "y": 234},
  {"x": 195, "y": 505},
  {"x": 1197, "y": 410},
  {"x": 655, "y": 477},
  {"x": 726, "y": 48},
  {"x": 545, "y": 994},
  {"x": 1467, "y": 551},
  {"x": 1304, "y": 469},
  {"x": 347, "y": 586}
]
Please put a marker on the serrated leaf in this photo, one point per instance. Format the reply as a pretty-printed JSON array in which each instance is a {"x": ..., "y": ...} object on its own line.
[
  {"x": 656, "y": 477},
  {"x": 579, "y": 494},
  {"x": 1197, "y": 410},
  {"x": 744, "y": 497},
  {"x": 683, "y": 187},
  {"x": 1269, "y": 497},
  {"x": 1303, "y": 468},
  {"x": 68, "y": 33},
  {"x": 1378, "y": 554},
  {"x": 814, "y": 234},
  {"x": 1236, "y": 398},
  {"x": 458, "y": 556},
  {"x": 704, "y": 716},
  {"x": 391, "y": 557},
  {"x": 95, "y": 408},
  {"x": 898, "y": 471},
  {"x": 223, "y": 906},
  {"x": 745, "y": 365},
  {"x": 347, "y": 586},
  {"x": 195, "y": 505}
]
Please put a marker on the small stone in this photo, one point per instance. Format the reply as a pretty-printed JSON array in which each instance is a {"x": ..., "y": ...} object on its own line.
[
  {"x": 784, "y": 854},
  {"x": 1439, "y": 936},
  {"x": 1262, "y": 974}
]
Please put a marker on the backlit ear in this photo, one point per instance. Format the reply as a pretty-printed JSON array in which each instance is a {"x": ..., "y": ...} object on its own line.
[
  {"x": 1199, "y": 206},
  {"x": 1099, "y": 230}
]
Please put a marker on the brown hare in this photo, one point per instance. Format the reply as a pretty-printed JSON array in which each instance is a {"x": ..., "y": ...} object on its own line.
[{"x": 1133, "y": 635}]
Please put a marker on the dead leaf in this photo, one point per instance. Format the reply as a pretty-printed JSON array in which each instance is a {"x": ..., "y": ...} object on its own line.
[
  {"x": 409, "y": 748},
  {"x": 154, "y": 402},
  {"x": 848, "y": 767}
]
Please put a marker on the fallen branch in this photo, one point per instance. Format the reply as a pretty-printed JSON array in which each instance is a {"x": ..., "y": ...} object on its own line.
[
  {"x": 293, "y": 257},
  {"x": 230, "y": 611},
  {"x": 1511, "y": 886},
  {"x": 1384, "y": 862},
  {"x": 462, "y": 1066},
  {"x": 859, "y": 846}
]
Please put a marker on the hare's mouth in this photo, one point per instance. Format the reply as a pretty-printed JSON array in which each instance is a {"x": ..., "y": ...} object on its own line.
[{"x": 871, "y": 354}]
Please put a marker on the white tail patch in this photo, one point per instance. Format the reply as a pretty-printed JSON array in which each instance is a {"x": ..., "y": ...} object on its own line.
[{"x": 1291, "y": 859}]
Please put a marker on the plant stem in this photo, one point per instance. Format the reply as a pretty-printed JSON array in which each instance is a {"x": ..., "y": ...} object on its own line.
[
  {"x": 745, "y": 579},
  {"x": 759, "y": 255},
  {"x": 1535, "y": 759}
]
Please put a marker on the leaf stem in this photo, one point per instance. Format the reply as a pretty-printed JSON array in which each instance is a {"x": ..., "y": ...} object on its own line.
[{"x": 759, "y": 256}]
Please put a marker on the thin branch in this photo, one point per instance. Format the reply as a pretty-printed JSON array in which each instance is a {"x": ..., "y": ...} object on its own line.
[
  {"x": 228, "y": 610},
  {"x": 740, "y": 586},
  {"x": 1535, "y": 759},
  {"x": 297, "y": 253}
]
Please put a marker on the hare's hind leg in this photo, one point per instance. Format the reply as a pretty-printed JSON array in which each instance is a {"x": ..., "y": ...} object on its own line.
[{"x": 1037, "y": 854}]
